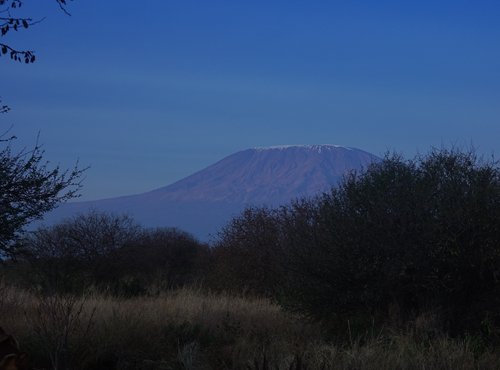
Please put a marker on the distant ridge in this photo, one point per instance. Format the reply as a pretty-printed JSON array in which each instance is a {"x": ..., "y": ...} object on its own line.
[{"x": 202, "y": 202}]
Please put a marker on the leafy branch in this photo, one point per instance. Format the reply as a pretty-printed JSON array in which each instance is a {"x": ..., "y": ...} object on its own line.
[
  {"x": 8, "y": 22},
  {"x": 27, "y": 56},
  {"x": 3, "y": 108}
]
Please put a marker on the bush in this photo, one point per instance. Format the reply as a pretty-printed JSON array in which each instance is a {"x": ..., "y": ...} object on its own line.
[
  {"x": 111, "y": 252},
  {"x": 247, "y": 254},
  {"x": 413, "y": 234},
  {"x": 166, "y": 257},
  {"x": 76, "y": 253}
]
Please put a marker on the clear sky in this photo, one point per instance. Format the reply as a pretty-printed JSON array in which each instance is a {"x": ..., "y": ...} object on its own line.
[{"x": 147, "y": 92}]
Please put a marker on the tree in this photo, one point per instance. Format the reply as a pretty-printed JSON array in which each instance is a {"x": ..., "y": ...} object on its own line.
[
  {"x": 9, "y": 22},
  {"x": 164, "y": 257},
  {"x": 247, "y": 255},
  {"x": 112, "y": 252},
  {"x": 79, "y": 251},
  {"x": 28, "y": 189},
  {"x": 415, "y": 234}
]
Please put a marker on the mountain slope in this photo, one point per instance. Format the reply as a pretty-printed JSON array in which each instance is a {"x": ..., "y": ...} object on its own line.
[
  {"x": 268, "y": 175},
  {"x": 204, "y": 201}
]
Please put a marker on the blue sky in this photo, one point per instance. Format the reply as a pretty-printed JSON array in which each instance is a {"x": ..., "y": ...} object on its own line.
[{"x": 149, "y": 92}]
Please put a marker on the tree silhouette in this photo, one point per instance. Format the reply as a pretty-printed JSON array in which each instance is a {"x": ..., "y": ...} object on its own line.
[
  {"x": 28, "y": 189},
  {"x": 421, "y": 234}
]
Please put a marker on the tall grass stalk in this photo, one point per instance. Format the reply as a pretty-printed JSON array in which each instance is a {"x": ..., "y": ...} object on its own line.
[{"x": 193, "y": 329}]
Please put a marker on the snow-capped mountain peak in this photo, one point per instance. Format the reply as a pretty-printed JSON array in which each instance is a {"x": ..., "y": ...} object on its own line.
[{"x": 315, "y": 147}]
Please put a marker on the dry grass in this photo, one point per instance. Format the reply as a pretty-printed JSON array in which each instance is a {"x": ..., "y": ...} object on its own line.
[{"x": 192, "y": 329}]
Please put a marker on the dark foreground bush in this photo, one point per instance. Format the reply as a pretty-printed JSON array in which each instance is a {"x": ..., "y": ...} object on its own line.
[{"x": 406, "y": 236}]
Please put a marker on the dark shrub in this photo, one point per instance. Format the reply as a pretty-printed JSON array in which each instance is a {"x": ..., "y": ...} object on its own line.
[
  {"x": 112, "y": 252},
  {"x": 419, "y": 234},
  {"x": 247, "y": 255},
  {"x": 76, "y": 253},
  {"x": 168, "y": 257}
]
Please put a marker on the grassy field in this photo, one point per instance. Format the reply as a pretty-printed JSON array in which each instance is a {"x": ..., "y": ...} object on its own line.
[{"x": 192, "y": 329}]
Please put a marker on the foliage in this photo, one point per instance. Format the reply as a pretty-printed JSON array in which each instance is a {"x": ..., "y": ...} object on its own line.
[
  {"x": 9, "y": 23},
  {"x": 113, "y": 252},
  {"x": 189, "y": 329},
  {"x": 411, "y": 234},
  {"x": 28, "y": 189},
  {"x": 3, "y": 108},
  {"x": 164, "y": 257},
  {"x": 56, "y": 320},
  {"x": 76, "y": 252},
  {"x": 247, "y": 253},
  {"x": 404, "y": 237}
]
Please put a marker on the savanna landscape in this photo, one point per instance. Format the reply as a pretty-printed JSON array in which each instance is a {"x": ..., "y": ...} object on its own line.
[
  {"x": 394, "y": 268},
  {"x": 155, "y": 213}
]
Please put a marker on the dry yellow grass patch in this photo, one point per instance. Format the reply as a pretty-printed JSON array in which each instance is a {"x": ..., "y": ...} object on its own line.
[{"x": 193, "y": 329}]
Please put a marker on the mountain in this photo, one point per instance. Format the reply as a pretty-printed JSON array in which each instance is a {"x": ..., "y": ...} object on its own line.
[{"x": 203, "y": 202}]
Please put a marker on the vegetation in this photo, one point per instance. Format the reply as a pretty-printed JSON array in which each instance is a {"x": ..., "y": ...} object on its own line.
[
  {"x": 194, "y": 329},
  {"x": 247, "y": 255},
  {"x": 9, "y": 22},
  {"x": 397, "y": 267},
  {"x": 110, "y": 253},
  {"x": 406, "y": 235},
  {"x": 28, "y": 189}
]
